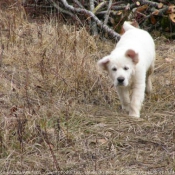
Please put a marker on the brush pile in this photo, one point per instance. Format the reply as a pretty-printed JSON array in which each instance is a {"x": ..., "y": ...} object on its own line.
[{"x": 157, "y": 14}]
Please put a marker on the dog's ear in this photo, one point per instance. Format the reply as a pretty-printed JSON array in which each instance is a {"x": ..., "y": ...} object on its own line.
[
  {"x": 133, "y": 55},
  {"x": 103, "y": 63}
]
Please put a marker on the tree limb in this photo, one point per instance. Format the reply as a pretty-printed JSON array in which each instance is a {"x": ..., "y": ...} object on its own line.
[
  {"x": 123, "y": 7},
  {"x": 108, "y": 12},
  {"x": 66, "y": 12},
  {"x": 153, "y": 4},
  {"x": 78, "y": 3},
  {"x": 93, "y": 23},
  {"x": 70, "y": 14},
  {"x": 111, "y": 32},
  {"x": 99, "y": 6}
]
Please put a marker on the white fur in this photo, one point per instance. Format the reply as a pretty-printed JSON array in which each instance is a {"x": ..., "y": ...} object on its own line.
[{"x": 130, "y": 66}]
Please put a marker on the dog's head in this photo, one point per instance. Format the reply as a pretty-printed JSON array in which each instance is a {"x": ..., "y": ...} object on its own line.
[{"x": 120, "y": 67}]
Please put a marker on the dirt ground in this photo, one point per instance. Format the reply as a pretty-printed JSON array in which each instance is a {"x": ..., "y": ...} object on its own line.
[{"x": 60, "y": 115}]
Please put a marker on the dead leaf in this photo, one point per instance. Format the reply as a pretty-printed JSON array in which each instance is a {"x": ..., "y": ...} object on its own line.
[
  {"x": 119, "y": 13},
  {"x": 160, "y": 5},
  {"x": 137, "y": 3},
  {"x": 167, "y": 82},
  {"x": 168, "y": 60},
  {"x": 172, "y": 17},
  {"x": 113, "y": 149},
  {"x": 153, "y": 19},
  {"x": 102, "y": 141},
  {"x": 99, "y": 125},
  {"x": 142, "y": 8},
  {"x": 156, "y": 12},
  {"x": 108, "y": 134}
]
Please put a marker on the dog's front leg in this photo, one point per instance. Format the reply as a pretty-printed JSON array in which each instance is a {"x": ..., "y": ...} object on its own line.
[
  {"x": 137, "y": 99},
  {"x": 123, "y": 94}
]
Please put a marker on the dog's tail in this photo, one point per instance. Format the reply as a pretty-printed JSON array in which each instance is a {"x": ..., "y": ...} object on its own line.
[{"x": 129, "y": 25}]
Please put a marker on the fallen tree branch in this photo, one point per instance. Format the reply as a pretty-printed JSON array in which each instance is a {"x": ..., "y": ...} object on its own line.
[
  {"x": 101, "y": 14},
  {"x": 111, "y": 32},
  {"x": 123, "y": 7},
  {"x": 153, "y": 4},
  {"x": 78, "y": 3},
  {"x": 67, "y": 12},
  {"x": 108, "y": 12},
  {"x": 160, "y": 12},
  {"x": 93, "y": 23},
  {"x": 99, "y": 6}
]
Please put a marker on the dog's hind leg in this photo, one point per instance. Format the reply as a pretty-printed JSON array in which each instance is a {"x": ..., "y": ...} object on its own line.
[
  {"x": 123, "y": 94},
  {"x": 148, "y": 89}
]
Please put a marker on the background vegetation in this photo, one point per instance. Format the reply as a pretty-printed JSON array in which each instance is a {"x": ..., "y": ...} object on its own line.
[{"x": 59, "y": 113}]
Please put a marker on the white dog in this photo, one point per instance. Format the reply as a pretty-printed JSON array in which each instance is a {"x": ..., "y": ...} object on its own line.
[{"x": 130, "y": 66}]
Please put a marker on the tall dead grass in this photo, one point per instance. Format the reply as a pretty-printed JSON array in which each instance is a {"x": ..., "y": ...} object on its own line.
[
  {"x": 48, "y": 72},
  {"x": 59, "y": 113}
]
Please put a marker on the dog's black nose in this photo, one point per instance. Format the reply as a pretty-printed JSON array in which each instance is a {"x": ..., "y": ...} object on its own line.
[{"x": 120, "y": 79}]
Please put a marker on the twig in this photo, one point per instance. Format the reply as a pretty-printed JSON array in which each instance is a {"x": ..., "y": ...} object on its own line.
[
  {"x": 108, "y": 12},
  {"x": 37, "y": 6},
  {"x": 153, "y": 4},
  {"x": 123, "y": 7},
  {"x": 67, "y": 12},
  {"x": 160, "y": 12},
  {"x": 51, "y": 151},
  {"x": 91, "y": 2},
  {"x": 99, "y": 6},
  {"x": 93, "y": 23},
  {"x": 78, "y": 3},
  {"x": 1, "y": 54},
  {"x": 45, "y": 138},
  {"x": 70, "y": 14},
  {"x": 111, "y": 32}
]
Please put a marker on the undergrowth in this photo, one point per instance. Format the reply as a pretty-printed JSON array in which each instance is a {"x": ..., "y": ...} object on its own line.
[{"x": 59, "y": 113}]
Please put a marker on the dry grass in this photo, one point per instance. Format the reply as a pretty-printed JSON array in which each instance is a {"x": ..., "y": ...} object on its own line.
[{"x": 59, "y": 113}]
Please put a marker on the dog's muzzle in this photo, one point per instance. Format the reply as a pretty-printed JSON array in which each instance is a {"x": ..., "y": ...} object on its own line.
[{"x": 120, "y": 81}]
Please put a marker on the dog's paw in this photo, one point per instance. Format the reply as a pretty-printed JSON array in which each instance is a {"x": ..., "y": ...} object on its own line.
[
  {"x": 136, "y": 115},
  {"x": 126, "y": 108},
  {"x": 148, "y": 91},
  {"x": 148, "y": 86}
]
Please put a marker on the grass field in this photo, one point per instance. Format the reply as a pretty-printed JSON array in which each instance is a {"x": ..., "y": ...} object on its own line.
[{"x": 58, "y": 113}]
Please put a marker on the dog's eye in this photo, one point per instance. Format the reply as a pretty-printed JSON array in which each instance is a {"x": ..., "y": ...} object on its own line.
[
  {"x": 114, "y": 69},
  {"x": 126, "y": 68}
]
